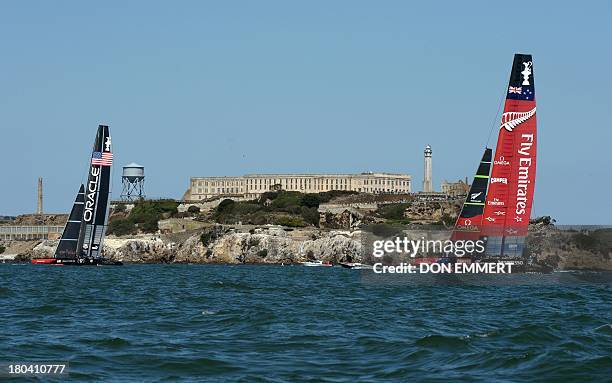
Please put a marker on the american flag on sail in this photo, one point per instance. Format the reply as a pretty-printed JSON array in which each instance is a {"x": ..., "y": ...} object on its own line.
[{"x": 102, "y": 159}]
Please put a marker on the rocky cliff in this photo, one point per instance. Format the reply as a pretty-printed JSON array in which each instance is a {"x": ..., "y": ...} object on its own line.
[
  {"x": 546, "y": 246},
  {"x": 569, "y": 249},
  {"x": 218, "y": 245}
]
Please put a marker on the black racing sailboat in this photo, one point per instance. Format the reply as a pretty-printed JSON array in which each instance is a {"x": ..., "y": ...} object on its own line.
[{"x": 83, "y": 235}]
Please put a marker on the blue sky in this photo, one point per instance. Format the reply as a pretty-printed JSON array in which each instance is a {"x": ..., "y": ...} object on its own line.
[{"x": 233, "y": 87}]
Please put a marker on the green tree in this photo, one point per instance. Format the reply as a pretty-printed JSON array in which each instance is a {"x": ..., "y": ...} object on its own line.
[
  {"x": 290, "y": 221},
  {"x": 311, "y": 200},
  {"x": 226, "y": 206},
  {"x": 310, "y": 215},
  {"x": 394, "y": 211},
  {"x": 121, "y": 226}
]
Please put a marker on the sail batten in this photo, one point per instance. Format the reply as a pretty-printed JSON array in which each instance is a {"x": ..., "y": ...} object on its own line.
[
  {"x": 469, "y": 222},
  {"x": 68, "y": 244}
]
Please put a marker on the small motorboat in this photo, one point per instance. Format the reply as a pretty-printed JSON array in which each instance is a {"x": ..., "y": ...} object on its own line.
[
  {"x": 317, "y": 263},
  {"x": 356, "y": 266}
]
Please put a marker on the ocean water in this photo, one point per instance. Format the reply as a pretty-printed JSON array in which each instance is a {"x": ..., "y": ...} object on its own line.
[{"x": 298, "y": 324}]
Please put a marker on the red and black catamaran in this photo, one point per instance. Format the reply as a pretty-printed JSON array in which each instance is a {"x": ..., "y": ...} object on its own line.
[
  {"x": 83, "y": 235},
  {"x": 498, "y": 205}
]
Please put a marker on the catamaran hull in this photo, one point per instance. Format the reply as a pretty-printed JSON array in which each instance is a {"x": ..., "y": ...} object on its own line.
[
  {"x": 44, "y": 261},
  {"x": 76, "y": 262}
]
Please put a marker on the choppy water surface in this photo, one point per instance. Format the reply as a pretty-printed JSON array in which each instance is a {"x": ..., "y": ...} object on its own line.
[{"x": 294, "y": 324}]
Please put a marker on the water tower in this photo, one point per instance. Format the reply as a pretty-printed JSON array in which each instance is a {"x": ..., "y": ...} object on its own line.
[{"x": 133, "y": 182}]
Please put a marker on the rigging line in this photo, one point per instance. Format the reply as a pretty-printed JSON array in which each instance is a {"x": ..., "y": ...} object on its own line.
[
  {"x": 495, "y": 118},
  {"x": 85, "y": 172}
]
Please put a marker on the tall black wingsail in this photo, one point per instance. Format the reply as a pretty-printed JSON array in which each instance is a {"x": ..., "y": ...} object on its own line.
[
  {"x": 95, "y": 209},
  {"x": 68, "y": 244}
]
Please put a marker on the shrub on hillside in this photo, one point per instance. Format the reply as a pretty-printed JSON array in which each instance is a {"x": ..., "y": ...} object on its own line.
[
  {"x": 393, "y": 211},
  {"x": 121, "y": 226},
  {"x": 385, "y": 230},
  {"x": 290, "y": 221},
  {"x": 447, "y": 220},
  {"x": 143, "y": 209},
  {"x": 144, "y": 216},
  {"x": 149, "y": 225},
  {"x": 310, "y": 215},
  {"x": 230, "y": 211},
  {"x": 302, "y": 208},
  {"x": 311, "y": 200},
  {"x": 225, "y": 206},
  {"x": 287, "y": 200},
  {"x": 590, "y": 243},
  {"x": 328, "y": 196},
  {"x": 209, "y": 235}
]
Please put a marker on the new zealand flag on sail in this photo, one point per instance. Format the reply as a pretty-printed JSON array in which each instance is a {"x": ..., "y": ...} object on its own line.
[{"x": 521, "y": 80}]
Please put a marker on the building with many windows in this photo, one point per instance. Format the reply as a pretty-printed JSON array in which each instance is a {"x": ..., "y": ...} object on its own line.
[
  {"x": 253, "y": 185},
  {"x": 455, "y": 189},
  {"x": 30, "y": 232}
]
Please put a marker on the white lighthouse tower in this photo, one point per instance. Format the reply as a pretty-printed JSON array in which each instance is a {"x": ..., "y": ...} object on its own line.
[{"x": 427, "y": 182}]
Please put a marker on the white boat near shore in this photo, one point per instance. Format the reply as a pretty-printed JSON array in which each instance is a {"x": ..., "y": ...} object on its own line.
[
  {"x": 356, "y": 266},
  {"x": 317, "y": 264}
]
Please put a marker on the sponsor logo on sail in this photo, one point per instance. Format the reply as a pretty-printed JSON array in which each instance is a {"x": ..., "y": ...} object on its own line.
[
  {"x": 467, "y": 226},
  {"x": 526, "y": 72},
  {"x": 474, "y": 196},
  {"x": 496, "y": 202},
  {"x": 501, "y": 161},
  {"x": 511, "y": 120},
  {"x": 500, "y": 180},
  {"x": 524, "y": 169},
  {"x": 107, "y": 144},
  {"x": 90, "y": 198}
]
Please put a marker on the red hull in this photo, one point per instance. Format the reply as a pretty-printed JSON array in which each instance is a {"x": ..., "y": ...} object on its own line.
[{"x": 43, "y": 261}]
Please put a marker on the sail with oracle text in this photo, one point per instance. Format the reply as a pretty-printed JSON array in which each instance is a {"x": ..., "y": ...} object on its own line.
[
  {"x": 81, "y": 241},
  {"x": 469, "y": 222},
  {"x": 508, "y": 203},
  {"x": 96, "y": 196}
]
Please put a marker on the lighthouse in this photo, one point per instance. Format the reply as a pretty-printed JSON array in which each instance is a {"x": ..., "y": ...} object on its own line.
[{"x": 427, "y": 182}]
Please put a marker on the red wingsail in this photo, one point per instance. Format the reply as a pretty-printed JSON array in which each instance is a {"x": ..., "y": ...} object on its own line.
[{"x": 511, "y": 186}]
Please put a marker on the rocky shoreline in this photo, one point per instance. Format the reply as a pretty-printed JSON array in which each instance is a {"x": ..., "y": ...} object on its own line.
[
  {"x": 548, "y": 248},
  {"x": 222, "y": 245}
]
